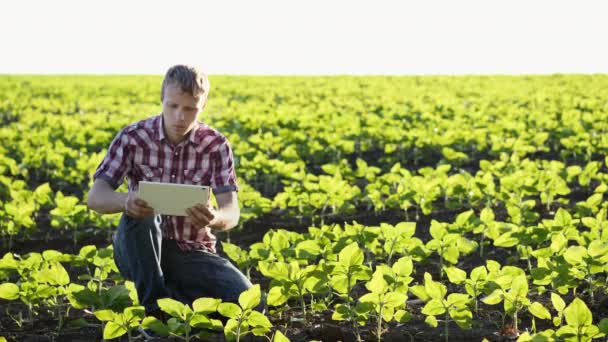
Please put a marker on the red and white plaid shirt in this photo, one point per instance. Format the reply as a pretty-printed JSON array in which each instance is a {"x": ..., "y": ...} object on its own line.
[{"x": 142, "y": 152}]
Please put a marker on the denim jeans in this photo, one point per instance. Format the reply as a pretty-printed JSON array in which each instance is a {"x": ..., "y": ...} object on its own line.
[{"x": 160, "y": 269}]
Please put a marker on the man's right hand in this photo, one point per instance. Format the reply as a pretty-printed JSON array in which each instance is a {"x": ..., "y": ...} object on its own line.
[{"x": 136, "y": 207}]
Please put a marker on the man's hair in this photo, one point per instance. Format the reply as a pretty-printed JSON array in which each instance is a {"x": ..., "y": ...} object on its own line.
[{"x": 189, "y": 78}]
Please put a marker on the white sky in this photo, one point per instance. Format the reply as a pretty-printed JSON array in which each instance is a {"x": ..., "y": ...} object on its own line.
[{"x": 304, "y": 37}]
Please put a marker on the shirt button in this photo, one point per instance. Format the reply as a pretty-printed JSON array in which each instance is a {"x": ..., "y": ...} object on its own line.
[
  {"x": 176, "y": 154},
  {"x": 172, "y": 176}
]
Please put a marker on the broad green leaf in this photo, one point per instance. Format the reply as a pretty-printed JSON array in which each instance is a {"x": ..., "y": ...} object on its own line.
[
  {"x": 458, "y": 299},
  {"x": 603, "y": 325},
  {"x": 451, "y": 254},
  {"x": 371, "y": 298},
  {"x": 455, "y": 274},
  {"x": 351, "y": 255},
  {"x": 257, "y": 319},
  {"x": 279, "y": 337},
  {"x": 487, "y": 215},
  {"x": 494, "y": 298},
  {"x": 341, "y": 313},
  {"x": 378, "y": 284},
  {"x": 251, "y": 297},
  {"x": 9, "y": 291},
  {"x": 519, "y": 286},
  {"x": 134, "y": 313},
  {"x": 434, "y": 289},
  {"x": 395, "y": 299},
  {"x": 433, "y": 308},
  {"x": 404, "y": 266},
  {"x": 431, "y": 320},
  {"x": 206, "y": 305},
  {"x": 578, "y": 314},
  {"x": 229, "y": 310},
  {"x": 113, "y": 330},
  {"x": 104, "y": 315},
  {"x": 173, "y": 307},
  {"x": 574, "y": 255},
  {"x": 156, "y": 325},
  {"x": 277, "y": 296},
  {"x": 538, "y": 310},
  {"x": 506, "y": 240},
  {"x": 558, "y": 302},
  {"x": 403, "y": 316},
  {"x": 420, "y": 292}
]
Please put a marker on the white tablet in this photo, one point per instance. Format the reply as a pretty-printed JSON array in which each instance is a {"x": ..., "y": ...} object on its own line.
[{"x": 172, "y": 199}]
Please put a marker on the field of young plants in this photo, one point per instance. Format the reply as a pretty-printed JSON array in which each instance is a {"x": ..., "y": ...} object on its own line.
[{"x": 373, "y": 209}]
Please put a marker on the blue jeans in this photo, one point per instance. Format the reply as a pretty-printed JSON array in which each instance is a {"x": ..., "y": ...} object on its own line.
[{"x": 160, "y": 269}]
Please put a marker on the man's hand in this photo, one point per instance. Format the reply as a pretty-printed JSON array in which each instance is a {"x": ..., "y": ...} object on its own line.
[
  {"x": 201, "y": 215},
  {"x": 136, "y": 207}
]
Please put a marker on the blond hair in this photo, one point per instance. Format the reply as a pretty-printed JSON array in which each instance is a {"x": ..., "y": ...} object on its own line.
[{"x": 189, "y": 78}]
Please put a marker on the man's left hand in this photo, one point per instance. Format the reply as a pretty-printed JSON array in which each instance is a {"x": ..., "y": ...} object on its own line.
[{"x": 201, "y": 215}]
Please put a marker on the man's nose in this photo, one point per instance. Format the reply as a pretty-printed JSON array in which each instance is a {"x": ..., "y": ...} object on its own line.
[{"x": 179, "y": 115}]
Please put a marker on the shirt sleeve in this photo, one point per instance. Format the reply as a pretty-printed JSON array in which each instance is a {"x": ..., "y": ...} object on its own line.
[
  {"x": 223, "y": 178},
  {"x": 117, "y": 162}
]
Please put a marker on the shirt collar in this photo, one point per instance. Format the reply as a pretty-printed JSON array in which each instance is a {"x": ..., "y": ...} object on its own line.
[{"x": 194, "y": 137}]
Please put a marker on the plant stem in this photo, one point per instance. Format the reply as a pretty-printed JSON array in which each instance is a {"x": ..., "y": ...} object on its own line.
[
  {"x": 447, "y": 330},
  {"x": 379, "y": 327}
]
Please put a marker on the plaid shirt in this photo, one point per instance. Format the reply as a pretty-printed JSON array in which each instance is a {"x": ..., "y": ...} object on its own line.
[{"x": 142, "y": 152}]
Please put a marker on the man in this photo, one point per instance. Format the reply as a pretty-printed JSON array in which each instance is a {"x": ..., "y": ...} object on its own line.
[{"x": 172, "y": 256}]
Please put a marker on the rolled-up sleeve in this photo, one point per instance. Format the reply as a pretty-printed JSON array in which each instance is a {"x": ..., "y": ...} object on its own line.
[
  {"x": 223, "y": 177},
  {"x": 117, "y": 162}
]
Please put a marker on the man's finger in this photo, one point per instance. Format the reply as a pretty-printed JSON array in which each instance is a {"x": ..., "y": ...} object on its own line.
[{"x": 198, "y": 217}]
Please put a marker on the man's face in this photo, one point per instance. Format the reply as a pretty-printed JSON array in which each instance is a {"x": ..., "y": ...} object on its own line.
[{"x": 180, "y": 111}]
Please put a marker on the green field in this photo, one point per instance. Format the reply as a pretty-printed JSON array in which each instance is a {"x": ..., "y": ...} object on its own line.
[{"x": 372, "y": 208}]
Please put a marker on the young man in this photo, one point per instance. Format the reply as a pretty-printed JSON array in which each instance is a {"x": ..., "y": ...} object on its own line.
[{"x": 172, "y": 256}]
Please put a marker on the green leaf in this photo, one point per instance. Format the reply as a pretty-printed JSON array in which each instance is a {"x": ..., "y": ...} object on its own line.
[
  {"x": 506, "y": 240},
  {"x": 395, "y": 299},
  {"x": 437, "y": 230},
  {"x": 9, "y": 291},
  {"x": 434, "y": 289},
  {"x": 173, "y": 307},
  {"x": 378, "y": 284},
  {"x": 455, "y": 274},
  {"x": 404, "y": 266},
  {"x": 277, "y": 296},
  {"x": 206, "y": 305},
  {"x": 519, "y": 286},
  {"x": 134, "y": 313},
  {"x": 603, "y": 325},
  {"x": 494, "y": 298},
  {"x": 279, "y": 337},
  {"x": 574, "y": 255},
  {"x": 403, "y": 316},
  {"x": 156, "y": 325},
  {"x": 458, "y": 299},
  {"x": 229, "y": 310},
  {"x": 104, "y": 315},
  {"x": 420, "y": 292},
  {"x": 558, "y": 302},
  {"x": 341, "y": 313},
  {"x": 487, "y": 216},
  {"x": 113, "y": 330},
  {"x": 578, "y": 314},
  {"x": 433, "y": 308},
  {"x": 250, "y": 298},
  {"x": 431, "y": 320},
  {"x": 257, "y": 319},
  {"x": 351, "y": 255},
  {"x": 538, "y": 310},
  {"x": 451, "y": 254}
]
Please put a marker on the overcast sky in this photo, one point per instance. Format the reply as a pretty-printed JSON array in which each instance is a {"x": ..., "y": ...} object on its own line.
[{"x": 305, "y": 37}]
